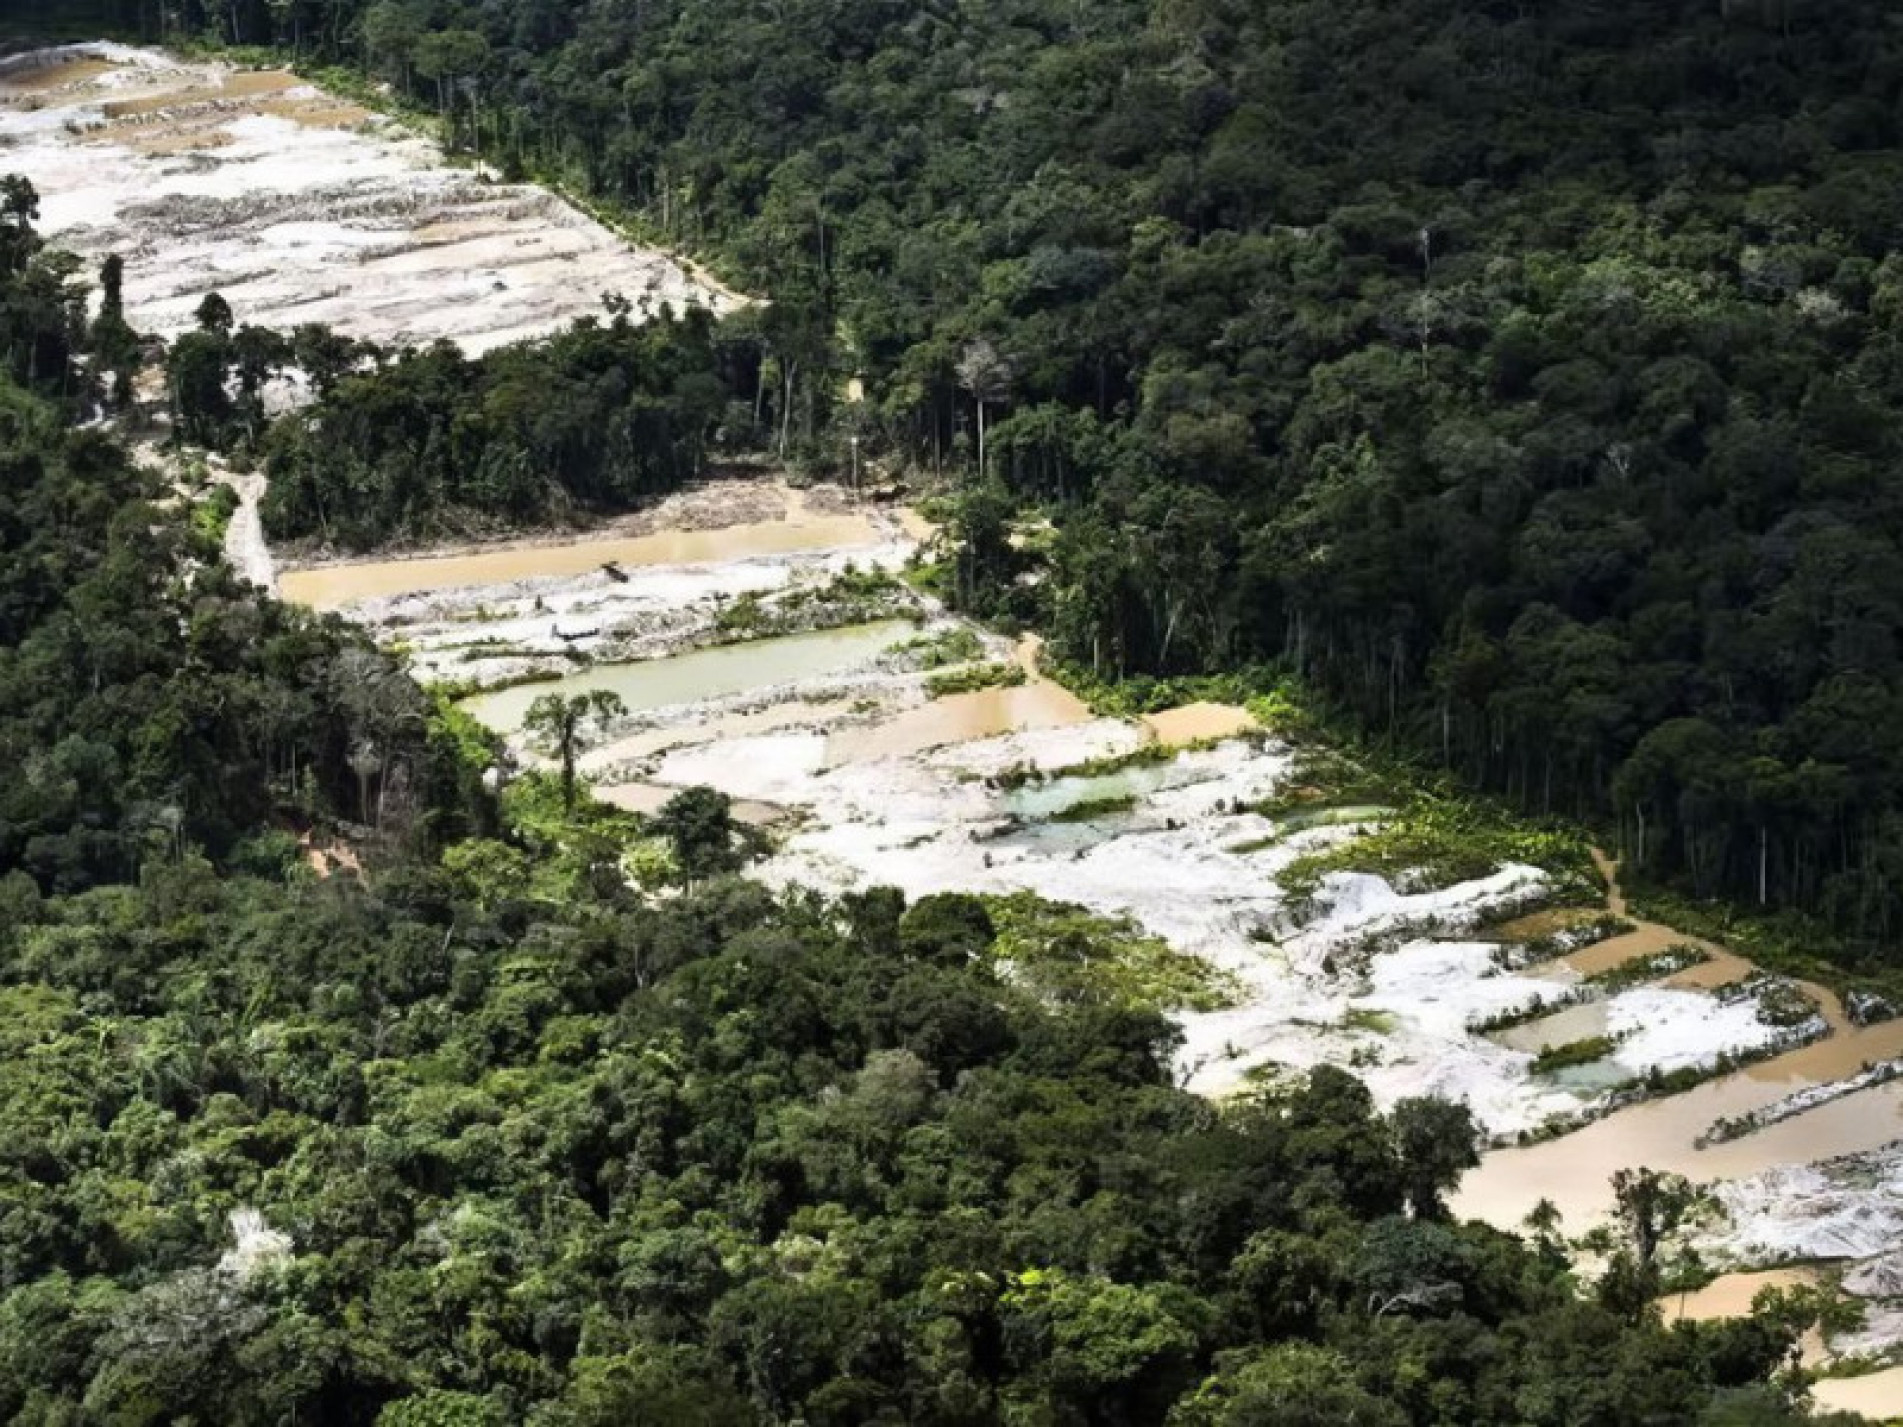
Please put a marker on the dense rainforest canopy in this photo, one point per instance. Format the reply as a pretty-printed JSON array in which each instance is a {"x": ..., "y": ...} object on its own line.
[
  {"x": 147, "y": 699},
  {"x": 481, "y": 1134},
  {"x": 1525, "y": 376},
  {"x": 414, "y": 444},
  {"x": 432, "y": 443}
]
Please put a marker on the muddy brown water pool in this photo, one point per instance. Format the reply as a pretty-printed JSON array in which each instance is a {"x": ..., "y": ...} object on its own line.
[
  {"x": 1730, "y": 1294},
  {"x": 1574, "y": 1171},
  {"x": 960, "y": 718},
  {"x": 1198, "y": 723},
  {"x": 334, "y": 586},
  {"x": 1878, "y": 1395},
  {"x": 26, "y": 79}
]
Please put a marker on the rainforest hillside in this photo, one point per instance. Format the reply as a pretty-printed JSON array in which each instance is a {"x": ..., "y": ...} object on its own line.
[{"x": 1525, "y": 376}]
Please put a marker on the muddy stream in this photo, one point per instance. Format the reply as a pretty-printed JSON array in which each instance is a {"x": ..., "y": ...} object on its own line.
[{"x": 1574, "y": 1170}]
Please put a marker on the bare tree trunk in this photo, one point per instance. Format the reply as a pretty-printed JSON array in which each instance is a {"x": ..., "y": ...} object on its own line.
[{"x": 786, "y": 407}]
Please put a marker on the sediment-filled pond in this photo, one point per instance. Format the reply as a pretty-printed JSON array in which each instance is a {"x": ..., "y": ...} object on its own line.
[
  {"x": 701, "y": 674},
  {"x": 336, "y": 585}
]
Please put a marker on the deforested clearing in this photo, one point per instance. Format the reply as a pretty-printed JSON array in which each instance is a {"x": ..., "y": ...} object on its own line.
[{"x": 299, "y": 208}]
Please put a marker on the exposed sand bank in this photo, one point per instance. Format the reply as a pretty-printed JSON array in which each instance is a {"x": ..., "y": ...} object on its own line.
[{"x": 301, "y": 208}]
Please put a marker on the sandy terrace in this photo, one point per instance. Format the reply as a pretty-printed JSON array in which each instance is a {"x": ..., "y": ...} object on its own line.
[{"x": 301, "y": 208}]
